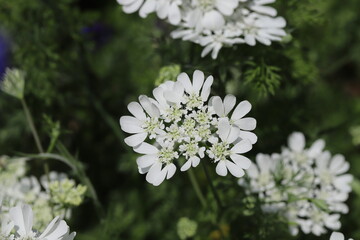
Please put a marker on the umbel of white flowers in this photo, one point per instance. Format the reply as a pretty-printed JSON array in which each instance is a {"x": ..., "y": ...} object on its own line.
[
  {"x": 18, "y": 225},
  {"x": 215, "y": 23},
  {"x": 308, "y": 186},
  {"x": 16, "y": 188},
  {"x": 181, "y": 121}
]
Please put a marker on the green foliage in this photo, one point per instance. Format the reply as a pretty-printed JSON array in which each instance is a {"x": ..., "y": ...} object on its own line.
[{"x": 264, "y": 78}]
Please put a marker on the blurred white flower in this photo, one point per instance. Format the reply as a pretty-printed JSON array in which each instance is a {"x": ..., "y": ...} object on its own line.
[
  {"x": 186, "y": 127},
  {"x": 215, "y": 23},
  {"x": 307, "y": 185},
  {"x": 22, "y": 218}
]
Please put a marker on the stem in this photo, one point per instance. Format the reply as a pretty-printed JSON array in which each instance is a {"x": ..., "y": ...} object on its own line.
[
  {"x": 32, "y": 126},
  {"x": 196, "y": 187},
  {"x": 213, "y": 190},
  {"x": 37, "y": 140}
]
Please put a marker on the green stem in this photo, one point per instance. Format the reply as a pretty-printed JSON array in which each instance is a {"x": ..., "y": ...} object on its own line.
[
  {"x": 196, "y": 187},
  {"x": 37, "y": 139},
  {"x": 213, "y": 190},
  {"x": 32, "y": 126}
]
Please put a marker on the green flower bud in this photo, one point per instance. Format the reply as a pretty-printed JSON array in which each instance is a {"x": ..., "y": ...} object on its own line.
[
  {"x": 14, "y": 83},
  {"x": 167, "y": 73},
  {"x": 186, "y": 228}
]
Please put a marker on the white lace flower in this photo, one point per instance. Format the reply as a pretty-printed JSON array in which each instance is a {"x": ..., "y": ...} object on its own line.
[
  {"x": 222, "y": 151},
  {"x": 215, "y": 23},
  {"x": 223, "y": 108},
  {"x": 22, "y": 217},
  {"x": 306, "y": 185},
  {"x": 179, "y": 122},
  {"x": 143, "y": 124}
]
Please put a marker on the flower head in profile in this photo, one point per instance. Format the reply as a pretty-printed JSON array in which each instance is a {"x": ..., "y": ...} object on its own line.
[
  {"x": 21, "y": 218},
  {"x": 181, "y": 125},
  {"x": 215, "y": 24},
  {"x": 308, "y": 186}
]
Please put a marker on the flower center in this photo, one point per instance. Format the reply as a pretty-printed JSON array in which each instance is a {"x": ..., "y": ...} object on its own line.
[
  {"x": 174, "y": 114},
  {"x": 220, "y": 151},
  {"x": 167, "y": 155},
  {"x": 190, "y": 149},
  {"x": 193, "y": 101},
  {"x": 205, "y": 5},
  {"x": 151, "y": 125}
]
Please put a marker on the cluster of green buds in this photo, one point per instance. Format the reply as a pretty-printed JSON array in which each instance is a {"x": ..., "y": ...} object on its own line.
[
  {"x": 186, "y": 228},
  {"x": 67, "y": 193},
  {"x": 167, "y": 73}
]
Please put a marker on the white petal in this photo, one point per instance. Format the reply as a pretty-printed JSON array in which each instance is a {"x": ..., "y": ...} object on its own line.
[
  {"x": 229, "y": 103},
  {"x": 249, "y": 136},
  {"x": 213, "y": 20},
  {"x": 241, "y": 110},
  {"x": 316, "y": 148},
  {"x": 135, "y": 139},
  {"x": 146, "y": 148},
  {"x": 195, "y": 161},
  {"x": 218, "y": 106},
  {"x": 148, "y": 7},
  {"x": 338, "y": 164},
  {"x": 296, "y": 141},
  {"x": 174, "y": 14},
  {"x": 131, "y": 8},
  {"x": 185, "y": 80},
  {"x": 337, "y": 236},
  {"x": 22, "y": 216},
  {"x": 186, "y": 166},
  {"x": 242, "y": 147},
  {"x": 149, "y": 107},
  {"x": 171, "y": 169},
  {"x": 234, "y": 169},
  {"x": 154, "y": 172},
  {"x": 130, "y": 124},
  {"x": 55, "y": 230},
  {"x": 136, "y": 110},
  {"x": 205, "y": 92},
  {"x": 246, "y": 123},
  {"x": 221, "y": 168},
  {"x": 241, "y": 161},
  {"x": 223, "y": 129},
  {"x": 233, "y": 135},
  {"x": 198, "y": 80},
  {"x": 146, "y": 161}
]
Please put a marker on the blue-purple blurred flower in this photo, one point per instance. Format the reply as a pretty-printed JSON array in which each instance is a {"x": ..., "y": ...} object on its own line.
[
  {"x": 4, "y": 54},
  {"x": 99, "y": 33}
]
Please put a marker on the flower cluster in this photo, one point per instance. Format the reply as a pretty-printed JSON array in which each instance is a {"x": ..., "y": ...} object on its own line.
[
  {"x": 18, "y": 225},
  {"x": 215, "y": 23},
  {"x": 47, "y": 199},
  {"x": 308, "y": 186},
  {"x": 181, "y": 121}
]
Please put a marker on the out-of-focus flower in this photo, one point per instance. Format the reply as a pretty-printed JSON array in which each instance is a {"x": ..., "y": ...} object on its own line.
[
  {"x": 22, "y": 218},
  {"x": 307, "y": 185},
  {"x": 215, "y": 23},
  {"x": 186, "y": 228},
  {"x": 180, "y": 121}
]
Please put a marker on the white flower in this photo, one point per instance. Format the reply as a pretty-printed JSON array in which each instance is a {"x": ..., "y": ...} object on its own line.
[
  {"x": 215, "y": 23},
  {"x": 307, "y": 186},
  {"x": 330, "y": 171},
  {"x": 22, "y": 216},
  {"x": 143, "y": 124},
  {"x": 153, "y": 161},
  {"x": 222, "y": 151},
  {"x": 338, "y": 236},
  {"x": 223, "y": 108},
  {"x": 180, "y": 122}
]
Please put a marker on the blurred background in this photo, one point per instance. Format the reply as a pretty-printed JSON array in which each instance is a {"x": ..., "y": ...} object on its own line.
[{"x": 86, "y": 60}]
